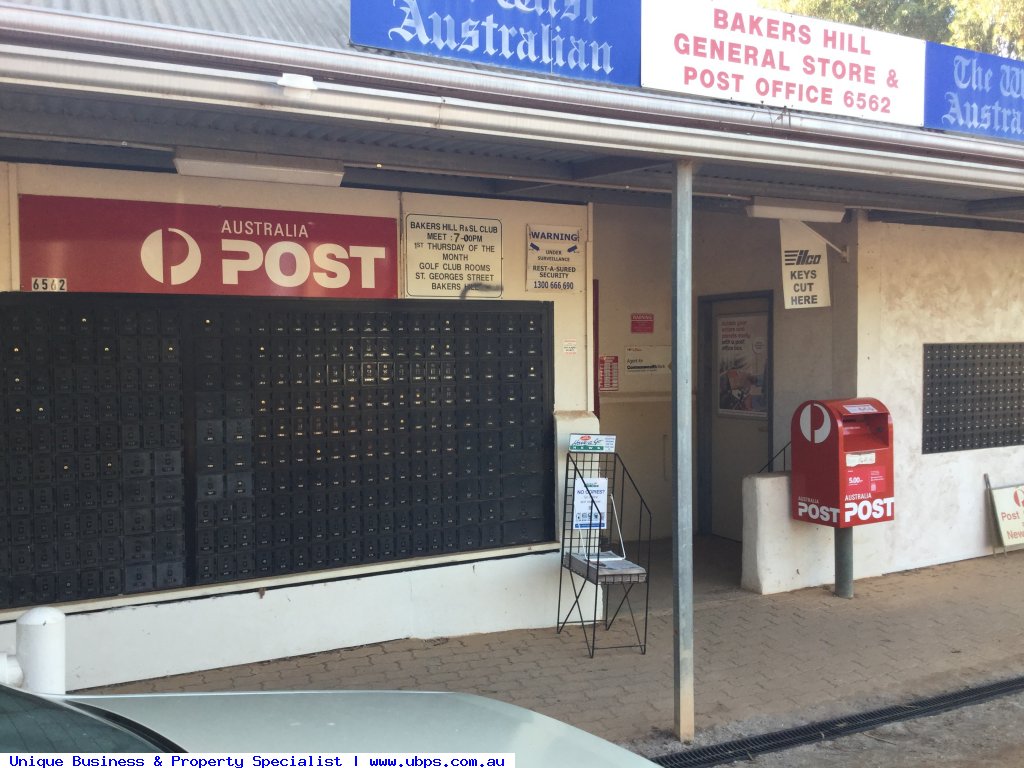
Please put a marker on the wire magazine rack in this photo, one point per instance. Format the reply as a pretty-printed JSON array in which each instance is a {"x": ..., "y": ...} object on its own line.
[{"x": 601, "y": 500}]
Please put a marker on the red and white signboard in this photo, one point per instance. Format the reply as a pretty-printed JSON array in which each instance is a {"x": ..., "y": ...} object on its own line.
[
  {"x": 608, "y": 373},
  {"x": 1008, "y": 505},
  {"x": 127, "y": 246},
  {"x": 641, "y": 322},
  {"x": 738, "y": 51}
]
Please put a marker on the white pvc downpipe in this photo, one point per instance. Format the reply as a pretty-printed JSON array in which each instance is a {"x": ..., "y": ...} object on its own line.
[{"x": 42, "y": 651}]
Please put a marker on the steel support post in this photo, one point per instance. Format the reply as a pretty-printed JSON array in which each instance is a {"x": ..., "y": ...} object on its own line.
[
  {"x": 844, "y": 562},
  {"x": 682, "y": 421}
]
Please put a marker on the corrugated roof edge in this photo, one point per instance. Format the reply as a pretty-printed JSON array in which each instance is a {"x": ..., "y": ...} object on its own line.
[
  {"x": 307, "y": 26},
  {"x": 312, "y": 23}
]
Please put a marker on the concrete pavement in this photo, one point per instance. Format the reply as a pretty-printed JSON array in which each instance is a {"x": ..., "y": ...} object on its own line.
[{"x": 762, "y": 662}]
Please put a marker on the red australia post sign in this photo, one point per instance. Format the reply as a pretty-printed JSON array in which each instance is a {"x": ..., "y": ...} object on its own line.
[{"x": 127, "y": 246}]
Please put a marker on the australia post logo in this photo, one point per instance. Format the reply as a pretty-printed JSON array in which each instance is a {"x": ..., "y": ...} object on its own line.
[
  {"x": 153, "y": 258},
  {"x": 145, "y": 247},
  {"x": 815, "y": 423}
]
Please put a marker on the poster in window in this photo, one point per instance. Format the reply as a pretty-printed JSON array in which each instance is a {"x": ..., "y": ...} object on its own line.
[{"x": 742, "y": 345}]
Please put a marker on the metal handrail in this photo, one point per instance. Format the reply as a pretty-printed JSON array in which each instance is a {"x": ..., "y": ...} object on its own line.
[{"x": 770, "y": 464}]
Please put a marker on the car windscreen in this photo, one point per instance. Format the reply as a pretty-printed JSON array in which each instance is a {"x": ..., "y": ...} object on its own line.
[{"x": 30, "y": 723}]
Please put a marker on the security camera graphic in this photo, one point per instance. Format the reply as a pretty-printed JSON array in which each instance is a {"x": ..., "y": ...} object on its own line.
[{"x": 153, "y": 259}]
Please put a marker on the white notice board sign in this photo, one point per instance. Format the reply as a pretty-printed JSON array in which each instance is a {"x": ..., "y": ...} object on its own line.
[
  {"x": 446, "y": 255},
  {"x": 590, "y": 503},
  {"x": 1008, "y": 508},
  {"x": 649, "y": 360}
]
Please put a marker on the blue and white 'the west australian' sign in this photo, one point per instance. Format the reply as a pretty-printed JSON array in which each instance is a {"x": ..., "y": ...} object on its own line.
[
  {"x": 976, "y": 93},
  {"x": 582, "y": 39}
]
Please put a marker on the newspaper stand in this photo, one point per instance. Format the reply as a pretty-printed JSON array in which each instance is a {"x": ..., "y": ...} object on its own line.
[{"x": 599, "y": 496}]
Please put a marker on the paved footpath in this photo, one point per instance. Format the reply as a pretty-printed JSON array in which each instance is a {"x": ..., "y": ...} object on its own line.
[{"x": 762, "y": 662}]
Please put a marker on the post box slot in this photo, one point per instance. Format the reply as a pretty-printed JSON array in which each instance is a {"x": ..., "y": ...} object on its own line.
[{"x": 865, "y": 433}]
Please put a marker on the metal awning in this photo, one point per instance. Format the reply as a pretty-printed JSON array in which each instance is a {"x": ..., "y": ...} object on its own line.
[{"x": 120, "y": 94}]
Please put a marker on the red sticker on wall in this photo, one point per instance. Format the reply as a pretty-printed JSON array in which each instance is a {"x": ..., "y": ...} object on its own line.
[{"x": 641, "y": 322}]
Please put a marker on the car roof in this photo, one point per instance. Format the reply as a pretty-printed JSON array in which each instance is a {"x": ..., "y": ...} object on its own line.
[{"x": 363, "y": 721}]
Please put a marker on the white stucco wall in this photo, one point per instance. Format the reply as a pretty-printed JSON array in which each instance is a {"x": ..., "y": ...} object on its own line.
[
  {"x": 916, "y": 286},
  {"x": 137, "y": 642},
  {"x": 921, "y": 285},
  {"x": 781, "y": 554},
  {"x": 144, "y": 636}
]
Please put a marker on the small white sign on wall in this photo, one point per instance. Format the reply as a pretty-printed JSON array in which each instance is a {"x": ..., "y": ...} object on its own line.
[
  {"x": 555, "y": 258},
  {"x": 649, "y": 360},
  {"x": 449, "y": 255},
  {"x": 804, "y": 267}
]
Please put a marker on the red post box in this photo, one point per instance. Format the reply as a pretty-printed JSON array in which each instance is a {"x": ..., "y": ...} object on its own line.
[{"x": 842, "y": 463}]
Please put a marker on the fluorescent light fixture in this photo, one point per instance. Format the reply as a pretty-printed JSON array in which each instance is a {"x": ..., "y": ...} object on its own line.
[
  {"x": 801, "y": 210},
  {"x": 257, "y": 166}
]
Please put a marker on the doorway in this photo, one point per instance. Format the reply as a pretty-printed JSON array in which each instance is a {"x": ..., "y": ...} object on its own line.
[{"x": 734, "y": 405}]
